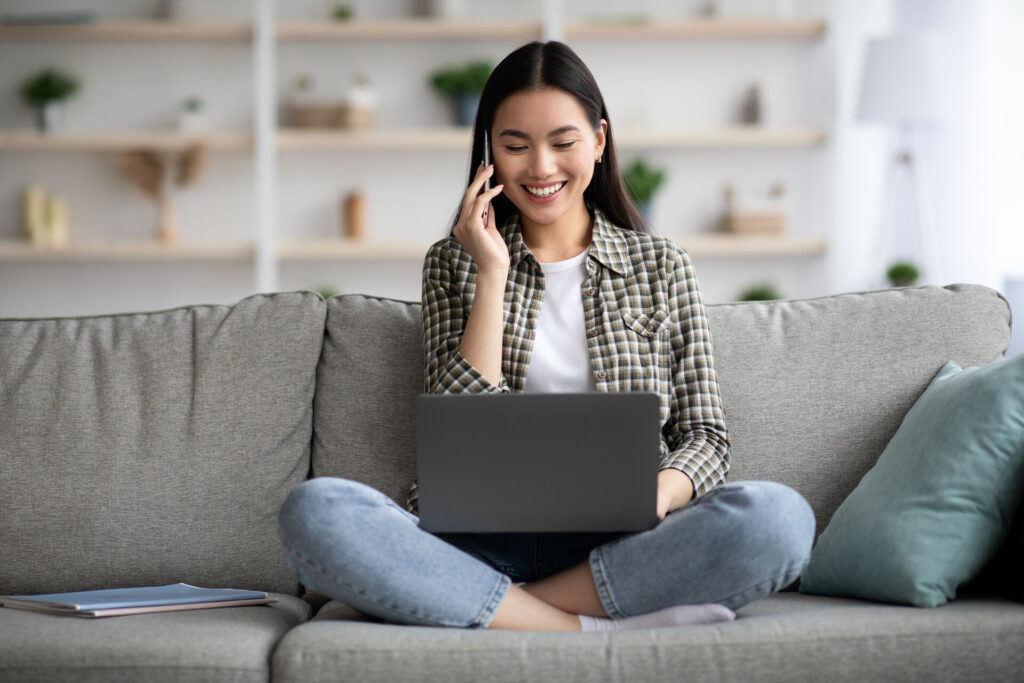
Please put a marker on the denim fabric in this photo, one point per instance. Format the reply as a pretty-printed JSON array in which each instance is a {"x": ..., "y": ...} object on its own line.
[{"x": 736, "y": 543}]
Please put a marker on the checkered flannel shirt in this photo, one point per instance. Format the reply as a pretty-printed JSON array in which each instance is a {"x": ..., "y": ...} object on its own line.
[{"x": 646, "y": 331}]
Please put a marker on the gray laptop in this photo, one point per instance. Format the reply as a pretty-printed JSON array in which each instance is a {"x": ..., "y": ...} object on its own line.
[{"x": 537, "y": 462}]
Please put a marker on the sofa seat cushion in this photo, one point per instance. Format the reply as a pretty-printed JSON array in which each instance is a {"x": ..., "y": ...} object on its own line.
[
  {"x": 155, "y": 448},
  {"x": 785, "y": 638},
  {"x": 224, "y": 644}
]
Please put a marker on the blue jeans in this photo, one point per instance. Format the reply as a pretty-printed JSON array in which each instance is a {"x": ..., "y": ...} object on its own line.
[{"x": 736, "y": 543}]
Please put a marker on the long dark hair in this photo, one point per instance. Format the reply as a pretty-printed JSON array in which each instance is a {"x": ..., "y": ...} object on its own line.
[{"x": 555, "y": 65}]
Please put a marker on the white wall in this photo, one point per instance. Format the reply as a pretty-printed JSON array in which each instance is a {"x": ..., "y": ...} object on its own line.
[{"x": 412, "y": 195}]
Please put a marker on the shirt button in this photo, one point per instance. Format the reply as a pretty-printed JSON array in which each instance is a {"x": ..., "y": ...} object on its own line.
[
  {"x": 600, "y": 374},
  {"x": 591, "y": 291},
  {"x": 592, "y": 332},
  {"x": 650, "y": 327}
]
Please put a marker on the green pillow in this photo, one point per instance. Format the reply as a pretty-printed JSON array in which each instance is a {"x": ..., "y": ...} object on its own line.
[{"x": 939, "y": 501}]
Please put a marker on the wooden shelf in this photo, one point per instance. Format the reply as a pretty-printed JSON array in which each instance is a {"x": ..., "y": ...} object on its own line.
[
  {"x": 705, "y": 245},
  {"x": 420, "y": 29},
  {"x": 697, "y": 244},
  {"x": 723, "y": 244},
  {"x": 438, "y": 138},
  {"x": 408, "y": 29},
  {"x": 401, "y": 139},
  {"x": 696, "y": 28},
  {"x": 732, "y": 136},
  {"x": 132, "y": 31},
  {"x": 24, "y": 251},
  {"x": 459, "y": 138},
  {"x": 116, "y": 142},
  {"x": 350, "y": 250}
]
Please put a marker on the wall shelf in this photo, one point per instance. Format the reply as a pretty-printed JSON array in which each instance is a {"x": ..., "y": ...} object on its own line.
[
  {"x": 459, "y": 138},
  {"x": 728, "y": 245},
  {"x": 697, "y": 244},
  {"x": 132, "y": 31},
  {"x": 408, "y": 29},
  {"x": 696, "y": 28},
  {"x": 119, "y": 141},
  {"x": 93, "y": 252},
  {"x": 419, "y": 29},
  {"x": 350, "y": 250}
]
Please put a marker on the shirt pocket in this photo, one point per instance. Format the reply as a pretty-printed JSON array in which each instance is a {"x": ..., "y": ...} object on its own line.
[{"x": 646, "y": 324}]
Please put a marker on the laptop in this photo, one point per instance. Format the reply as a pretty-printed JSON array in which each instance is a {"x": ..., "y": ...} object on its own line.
[{"x": 537, "y": 462}]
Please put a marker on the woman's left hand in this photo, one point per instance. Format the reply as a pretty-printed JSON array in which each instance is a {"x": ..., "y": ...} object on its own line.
[{"x": 674, "y": 491}]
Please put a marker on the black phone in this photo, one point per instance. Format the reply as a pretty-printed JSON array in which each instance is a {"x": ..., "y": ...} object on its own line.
[{"x": 487, "y": 158}]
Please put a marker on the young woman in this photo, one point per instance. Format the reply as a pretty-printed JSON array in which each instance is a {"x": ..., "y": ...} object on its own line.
[{"x": 550, "y": 281}]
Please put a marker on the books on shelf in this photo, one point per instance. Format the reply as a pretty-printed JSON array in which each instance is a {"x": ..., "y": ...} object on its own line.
[{"x": 116, "y": 602}]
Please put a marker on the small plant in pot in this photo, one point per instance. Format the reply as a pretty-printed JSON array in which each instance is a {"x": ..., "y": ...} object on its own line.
[
  {"x": 903, "y": 274},
  {"x": 765, "y": 291},
  {"x": 46, "y": 92},
  {"x": 463, "y": 84},
  {"x": 643, "y": 181}
]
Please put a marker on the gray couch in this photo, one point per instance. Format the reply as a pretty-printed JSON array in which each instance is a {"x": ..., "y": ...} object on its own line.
[{"x": 156, "y": 448}]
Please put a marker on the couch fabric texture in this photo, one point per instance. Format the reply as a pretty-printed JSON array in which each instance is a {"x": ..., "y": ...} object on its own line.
[{"x": 156, "y": 448}]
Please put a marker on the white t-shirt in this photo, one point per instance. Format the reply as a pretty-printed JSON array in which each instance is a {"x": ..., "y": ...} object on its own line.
[{"x": 559, "y": 362}]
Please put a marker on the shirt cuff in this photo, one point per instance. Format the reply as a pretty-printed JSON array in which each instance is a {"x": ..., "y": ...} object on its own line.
[
  {"x": 701, "y": 460},
  {"x": 460, "y": 377}
]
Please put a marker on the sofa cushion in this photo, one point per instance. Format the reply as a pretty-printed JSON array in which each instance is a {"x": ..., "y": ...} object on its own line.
[
  {"x": 369, "y": 376},
  {"x": 940, "y": 499},
  {"x": 154, "y": 448},
  {"x": 813, "y": 389},
  {"x": 784, "y": 638},
  {"x": 229, "y": 644}
]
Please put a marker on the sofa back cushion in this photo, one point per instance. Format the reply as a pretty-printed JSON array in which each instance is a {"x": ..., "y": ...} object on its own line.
[
  {"x": 370, "y": 373},
  {"x": 153, "y": 448},
  {"x": 813, "y": 389}
]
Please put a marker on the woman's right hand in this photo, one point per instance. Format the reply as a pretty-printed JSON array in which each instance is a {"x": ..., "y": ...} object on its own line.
[{"x": 480, "y": 236}]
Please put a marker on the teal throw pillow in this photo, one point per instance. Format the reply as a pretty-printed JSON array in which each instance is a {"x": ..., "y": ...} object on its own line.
[{"x": 939, "y": 501}]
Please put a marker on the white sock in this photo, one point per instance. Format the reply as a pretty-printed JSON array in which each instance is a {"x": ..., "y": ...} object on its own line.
[{"x": 680, "y": 615}]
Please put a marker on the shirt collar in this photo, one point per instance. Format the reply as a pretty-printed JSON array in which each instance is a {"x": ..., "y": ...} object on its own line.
[{"x": 608, "y": 242}]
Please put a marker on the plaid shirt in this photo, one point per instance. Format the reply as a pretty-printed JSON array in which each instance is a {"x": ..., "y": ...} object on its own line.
[{"x": 646, "y": 331}]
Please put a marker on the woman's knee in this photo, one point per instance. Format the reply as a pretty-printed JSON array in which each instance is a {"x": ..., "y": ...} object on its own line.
[
  {"x": 317, "y": 500},
  {"x": 779, "y": 517}
]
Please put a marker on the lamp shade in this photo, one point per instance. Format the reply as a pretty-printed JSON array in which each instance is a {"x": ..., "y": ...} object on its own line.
[{"x": 900, "y": 79}]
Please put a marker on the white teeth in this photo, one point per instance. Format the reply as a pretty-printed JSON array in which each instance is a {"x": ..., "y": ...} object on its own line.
[{"x": 544, "y": 192}]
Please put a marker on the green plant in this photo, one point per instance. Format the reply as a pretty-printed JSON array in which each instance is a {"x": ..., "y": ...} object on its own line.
[
  {"x": 762, "y": 292},
  {"x": 326, "y": 291},
  {"x": 642, "y": 181},
  {"x": 902, "y": 274},
  {"x": 49, "y": 85},
  {"x": 458, "y": 80},
  {"x": 342, "y": 12}
]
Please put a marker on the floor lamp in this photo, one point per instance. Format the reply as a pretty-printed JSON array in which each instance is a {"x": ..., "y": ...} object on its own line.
[{"x": 900, "y": 90}]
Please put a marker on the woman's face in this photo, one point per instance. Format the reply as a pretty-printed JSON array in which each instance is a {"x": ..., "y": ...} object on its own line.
[{"x": 544, "y": 153}]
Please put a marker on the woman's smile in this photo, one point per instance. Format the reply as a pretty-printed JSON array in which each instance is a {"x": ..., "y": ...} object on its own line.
[{"x": 544, "y": 193}]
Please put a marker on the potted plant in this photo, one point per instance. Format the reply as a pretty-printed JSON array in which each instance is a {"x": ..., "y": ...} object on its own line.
[
  {"x": 903, "y": 274},
  {"x": 761, "y": 292},
  {"x": 642, "y": 181},
  {"x": 46, "y": 92},
  {"x": 463, "y": 84}
]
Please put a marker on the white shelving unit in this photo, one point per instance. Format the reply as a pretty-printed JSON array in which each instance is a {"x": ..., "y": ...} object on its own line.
[{"x": 270, "y": 145}]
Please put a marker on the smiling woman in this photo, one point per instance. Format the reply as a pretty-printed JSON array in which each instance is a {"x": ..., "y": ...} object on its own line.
[{"x": 551, "y": 283}]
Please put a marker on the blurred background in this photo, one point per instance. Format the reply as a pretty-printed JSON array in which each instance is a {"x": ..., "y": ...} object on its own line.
[{"x": 156, "y": 153}]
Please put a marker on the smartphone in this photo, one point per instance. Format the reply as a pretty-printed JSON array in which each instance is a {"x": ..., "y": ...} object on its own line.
[{"x": 487, "y": 157}]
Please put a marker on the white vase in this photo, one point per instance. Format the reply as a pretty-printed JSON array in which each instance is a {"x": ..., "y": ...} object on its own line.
[{"x": 50, "y": 116}]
